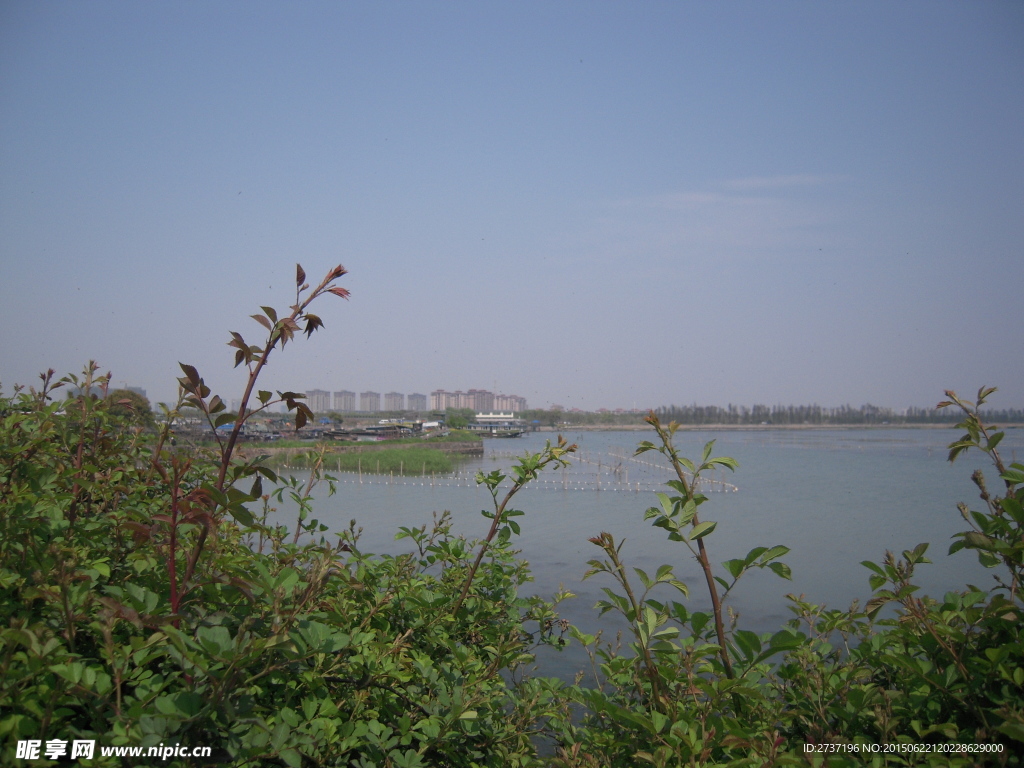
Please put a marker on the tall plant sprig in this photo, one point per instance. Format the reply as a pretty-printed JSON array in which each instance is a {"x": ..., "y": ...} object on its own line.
[
  {"x": 196, "y": 394},
  {"x": 682, "y": 512},
  {"x": 526, "y": 469},
  {"x": 997, "y": 534},
  {"x": 280, "y": 332}
]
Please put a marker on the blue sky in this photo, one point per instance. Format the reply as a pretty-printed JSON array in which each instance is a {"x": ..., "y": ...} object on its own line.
[{"x": 593, "y": 204}]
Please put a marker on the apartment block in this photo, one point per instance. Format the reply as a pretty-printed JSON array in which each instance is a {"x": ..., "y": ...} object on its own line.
[
  {"x": 345, "y": 401},
  {"x": 369, "y": 401},
  {"x": 394, "y": 401},
  {"x": 318, "y": 400},
  {"x": 476, "y": 399}
]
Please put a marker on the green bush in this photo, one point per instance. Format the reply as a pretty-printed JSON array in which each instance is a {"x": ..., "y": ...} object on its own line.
[
  {"x": 939, "y": 682},
  {"x": 145, "y": 601}
]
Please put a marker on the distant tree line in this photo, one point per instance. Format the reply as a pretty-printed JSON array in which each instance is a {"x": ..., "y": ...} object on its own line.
[
  {"x": 816, "y": 414},
  {"x": 764, "y": 414}
]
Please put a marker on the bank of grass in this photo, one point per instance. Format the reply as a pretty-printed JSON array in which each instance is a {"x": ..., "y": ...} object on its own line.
[
  {"x": 398, "y": 461},
  {"x": 455, "y": 436}
]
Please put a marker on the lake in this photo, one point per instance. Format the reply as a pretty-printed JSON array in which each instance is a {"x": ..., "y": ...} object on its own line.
[{"x": 834, "y": 496}]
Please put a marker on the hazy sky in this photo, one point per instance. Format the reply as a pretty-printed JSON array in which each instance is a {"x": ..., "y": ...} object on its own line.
[{"x": 594, "y": 204}]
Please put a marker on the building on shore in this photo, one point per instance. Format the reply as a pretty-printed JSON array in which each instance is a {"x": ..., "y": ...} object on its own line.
[
  {"x": 475, "y": 399},
  {"x": 497, "y": 425},
  {"x": 345, "y": 401},
  {"x": 513, "y": 403},
  {"x": 318, "y": 400}
]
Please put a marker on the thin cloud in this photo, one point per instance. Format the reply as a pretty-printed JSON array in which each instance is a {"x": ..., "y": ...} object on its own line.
[
  {"x": 687, "y": 200},
  {"x": 778, "y": 182}
]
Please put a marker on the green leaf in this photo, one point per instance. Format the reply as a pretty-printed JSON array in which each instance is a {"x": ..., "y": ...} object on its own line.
[
  {"x": 753, "y": 554},
  {"x": 781, "y": 569},
  {"x": 785, "y": 640},
  {"x": 668, "y": 506},
  {"x": 215, "y": 640},
  {"x": 993, "y": 441},
  {"x": 701, "y": 530},
  {"x": 748, "y": 642},
  {"x": 644, "y": 578},
  {"x": 707, "y": 450},
  {"x": 1013, "y": 508},
  {"x": 735, "y": 567},
  {"x": 1013, "y": 475},
  {"x": 184, "y": 704},
  {"x": 242, "y": 515},
  {"x": 1013, "y": 730},
  {"x": 976, "y": 540},
  {"x": 725, "y": 461},
  {"x": 774, "y": 552},
  {"x": 874, "y": 567}
]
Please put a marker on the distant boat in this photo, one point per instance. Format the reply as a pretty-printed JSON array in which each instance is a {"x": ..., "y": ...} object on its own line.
[{"x": 497, "y": 425}]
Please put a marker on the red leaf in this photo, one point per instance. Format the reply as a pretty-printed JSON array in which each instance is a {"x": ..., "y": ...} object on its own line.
[
  {"x": 262, "y": 321},
  {"x": 339, "y": 292},
  {"x": 312, "y": 323},
  {"x": 300, "y": 274},
  {"x": 191, "y": 372}
]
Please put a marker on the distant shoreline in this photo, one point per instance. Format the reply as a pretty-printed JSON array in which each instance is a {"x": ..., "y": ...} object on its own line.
[{"x": 749, "y": 427}]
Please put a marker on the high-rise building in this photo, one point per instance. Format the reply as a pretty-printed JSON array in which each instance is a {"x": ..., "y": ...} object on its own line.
[
  {"x": 369, "y": 401},
  {"x": 318, "y": 400},
  {"x": 477, "y": 399},
  {"x": 438, "y": 400},
  {"x": 345, "y": 401},
  {"x": 482, "y": 399},
  {"x": 512, "y": 403},
  {"x": 417, "y": 402},
  {"x": 394, "y": 401}
]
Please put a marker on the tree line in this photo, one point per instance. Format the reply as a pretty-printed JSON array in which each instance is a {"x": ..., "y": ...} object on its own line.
[
  {"x": 741, "y": 415},
  {"x": 816, "y": 414}
]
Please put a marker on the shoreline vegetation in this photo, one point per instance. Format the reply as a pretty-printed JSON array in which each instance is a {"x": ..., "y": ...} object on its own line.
[
  {"x": 400, "y": 460},
  {"x": 750, "y": 427}
]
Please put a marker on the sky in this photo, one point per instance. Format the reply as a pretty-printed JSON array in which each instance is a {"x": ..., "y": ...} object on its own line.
[{"x": 595, "y": 204}]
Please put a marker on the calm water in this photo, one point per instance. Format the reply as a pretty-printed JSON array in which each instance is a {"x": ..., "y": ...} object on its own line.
[{"x": 835, "y": 497}]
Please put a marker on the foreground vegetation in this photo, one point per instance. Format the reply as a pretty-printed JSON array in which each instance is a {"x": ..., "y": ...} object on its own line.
[{"x": 145, "y": 600}]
